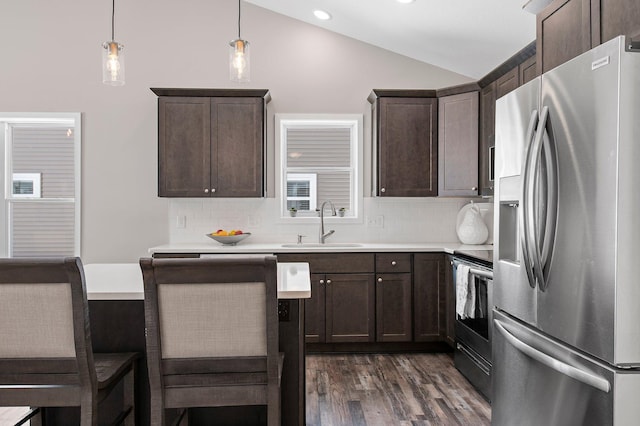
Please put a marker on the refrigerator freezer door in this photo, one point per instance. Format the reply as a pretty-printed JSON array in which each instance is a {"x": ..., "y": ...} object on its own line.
[
  {"x": 516, "y": 120},
  {"x": 578, "y": 304},
  {"x": 538, "y": 381}
]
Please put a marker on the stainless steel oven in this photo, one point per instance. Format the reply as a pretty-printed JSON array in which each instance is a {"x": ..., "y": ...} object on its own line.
[{"x": 472, "y": 354}]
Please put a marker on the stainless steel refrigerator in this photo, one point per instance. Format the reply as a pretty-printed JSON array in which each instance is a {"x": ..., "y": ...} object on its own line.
[{"x": 566, "y": 336}]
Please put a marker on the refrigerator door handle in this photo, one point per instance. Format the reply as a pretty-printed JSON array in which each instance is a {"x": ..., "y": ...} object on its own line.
[
  {"x": 583, "y": 376},
  {"x": 550, "y": 155},
  {"x": 534, "y": 230},
  {"x": 542, "y": 228},
  {"x": 523, "y": 218}
]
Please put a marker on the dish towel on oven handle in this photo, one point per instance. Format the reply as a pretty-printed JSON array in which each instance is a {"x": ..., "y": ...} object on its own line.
[
  {"x": 462, "y": 290},
  {"x": 470, "y": 306}
]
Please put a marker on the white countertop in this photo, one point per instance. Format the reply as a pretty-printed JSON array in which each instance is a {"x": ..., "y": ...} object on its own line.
[
  {"x": 246, "y": 247},
  {"x": 123, "y": 281}
]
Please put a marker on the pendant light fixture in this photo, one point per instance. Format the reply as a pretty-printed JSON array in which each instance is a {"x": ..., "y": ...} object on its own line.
[
  {"x": 113, "y": 57},
  {"x": 239, "y": 66}
]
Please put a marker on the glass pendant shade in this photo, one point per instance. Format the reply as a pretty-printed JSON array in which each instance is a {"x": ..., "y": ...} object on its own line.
[
  {"x": 239, "y": 63},
  {"x": 113, "y": 63}
]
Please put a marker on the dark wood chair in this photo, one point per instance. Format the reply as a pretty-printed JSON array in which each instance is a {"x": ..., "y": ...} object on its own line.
[
  {"x": 212, "y": 333},
  {"x": 46, "y": 359}
]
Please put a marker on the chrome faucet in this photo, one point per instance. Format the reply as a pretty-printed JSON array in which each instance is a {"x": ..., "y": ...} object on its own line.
[{"x": 324, "y": 236}]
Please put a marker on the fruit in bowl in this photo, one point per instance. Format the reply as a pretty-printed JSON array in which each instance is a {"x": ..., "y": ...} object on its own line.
[{"x": 230, "y": 238}]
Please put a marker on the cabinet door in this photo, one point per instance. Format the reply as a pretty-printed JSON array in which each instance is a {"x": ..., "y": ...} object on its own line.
[
  {"x": 237, "y": 147},
  {"x": 350, "y": 308},
  {"x": 458, "y": 145},
  {"x": 450, "y": 295},
  {"x": 528, "y": 70},
  {"x": 314, "y": 323},
  {"x": 184, "y": 147},
  {"x": 393, "y": 308},
  {"x": 407, "y": 147},
  {"x": 563, "y": 32},
  {"x": 617, "y": 17},
  {"x": 508, "y": 82},
  {"x": 487, "y": 138},
  {"x": 429, "y": 297}
]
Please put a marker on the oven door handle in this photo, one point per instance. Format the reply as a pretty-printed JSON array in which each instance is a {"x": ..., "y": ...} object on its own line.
[
  {"x": 481, "y": 273},
  {"x": 561, "y": 367}
]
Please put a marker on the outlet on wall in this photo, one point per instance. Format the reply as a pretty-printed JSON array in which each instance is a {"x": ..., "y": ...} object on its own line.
[
  {"x": 181, "y": 221},
  {"x": 375, "y": 221}
]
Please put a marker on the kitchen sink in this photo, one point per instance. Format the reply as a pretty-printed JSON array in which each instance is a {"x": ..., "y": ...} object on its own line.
[{"x": 318, "y": 245}]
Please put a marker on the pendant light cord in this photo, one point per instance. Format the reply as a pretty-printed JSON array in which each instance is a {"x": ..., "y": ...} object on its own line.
[
  {"x": 239, "y": 38},
  {"x": 113, "y": 15}
]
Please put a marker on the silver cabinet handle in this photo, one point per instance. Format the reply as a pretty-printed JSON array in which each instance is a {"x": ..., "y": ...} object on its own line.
[
  {"x": 475, "y": 188},
  {"x": 383, "y": 190},
  {"x": 206, "y": 190},
  {"x": 321, "y": 281},
  {"x": 328, "y": 281},
  {"x": 583, "y": 376},
  {"x": 394, "y": 263},
  {"x": 213, "y": 190},
  {"x": 379, "y": 280}
]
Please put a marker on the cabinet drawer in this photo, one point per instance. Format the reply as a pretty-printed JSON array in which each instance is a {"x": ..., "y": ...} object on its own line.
[
  {"x": 393, "y": 262},
  {"x": 334, "y": 263}
]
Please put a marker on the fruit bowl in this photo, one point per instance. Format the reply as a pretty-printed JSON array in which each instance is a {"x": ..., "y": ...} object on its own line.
[{"x": 229, "y": 240}]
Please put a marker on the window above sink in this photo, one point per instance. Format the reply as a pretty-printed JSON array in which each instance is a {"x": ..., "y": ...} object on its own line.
[{"x": 319, "y": 158}]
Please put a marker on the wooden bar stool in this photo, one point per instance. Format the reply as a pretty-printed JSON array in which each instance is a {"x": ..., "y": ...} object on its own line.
[
  {"x": 46, "y": 359},
  {"x": 212, "y": 333}
]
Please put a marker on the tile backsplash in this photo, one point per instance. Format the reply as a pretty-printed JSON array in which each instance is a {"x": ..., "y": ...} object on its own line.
[{"x": 391, "y": 220}]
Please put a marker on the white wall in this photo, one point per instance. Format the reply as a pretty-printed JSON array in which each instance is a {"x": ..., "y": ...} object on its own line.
[{"x": 50, "y": 61}]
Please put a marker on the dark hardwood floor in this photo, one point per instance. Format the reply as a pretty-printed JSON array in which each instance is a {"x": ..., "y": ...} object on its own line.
[
  {"x": 380, "y": 390},
  {"x": 390, "y": 389}
]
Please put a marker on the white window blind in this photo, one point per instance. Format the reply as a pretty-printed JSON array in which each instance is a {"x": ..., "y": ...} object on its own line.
[
  {"x": 43, "y": 154},
  {"x": 327, "y": 153},
  {"x": 48, "y": 151},
  {"x": 42, "y": 229}
]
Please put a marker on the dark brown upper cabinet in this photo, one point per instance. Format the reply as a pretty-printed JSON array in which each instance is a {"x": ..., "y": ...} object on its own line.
[
  {"x": 405, "y": 125},
  {"x": 567, "y": 28},
  {"x": 487, "y": 138},
  {"x": 563, "y": 32},
  {"x": 211, "y": 142},
  {"x": 458, "y": 144},
  {"x": 528, "y": 70},
  {"x": 508, "y": 82},
  {"x": 615, "y": 17}
]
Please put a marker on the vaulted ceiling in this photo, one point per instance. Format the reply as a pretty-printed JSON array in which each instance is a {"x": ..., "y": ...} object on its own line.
[{"x": 470, "y": 37}]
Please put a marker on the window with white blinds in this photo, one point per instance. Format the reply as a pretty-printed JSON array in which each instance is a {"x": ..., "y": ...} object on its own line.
[
  {"x": 41, "y": 203},
  {"x": 319, "y": 159}
]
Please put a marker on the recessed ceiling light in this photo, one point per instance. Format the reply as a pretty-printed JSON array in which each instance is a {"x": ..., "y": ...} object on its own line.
[
  {"x": 322, "y": 15},
  {"x": 405, "y": 1}
]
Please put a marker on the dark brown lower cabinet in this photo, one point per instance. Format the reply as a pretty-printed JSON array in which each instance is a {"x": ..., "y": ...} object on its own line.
[
  {"x": 404, "y": 302},
  {"x": 349, "y": 308},
  {"x": 393, "y": 308},
  {"x": 314, "y": 318},
  {"x": 450, "y": 293},
  {"x": 429, "y": 302}
]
